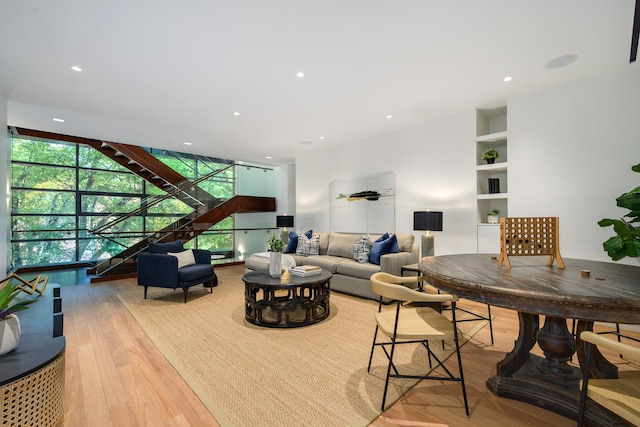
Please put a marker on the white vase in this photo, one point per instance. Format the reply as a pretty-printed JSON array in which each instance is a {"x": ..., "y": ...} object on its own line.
[
  {"x": 493, "y": 219},
  {"x": 275, "y": 264},
  {"x": 9, "y": 333}
]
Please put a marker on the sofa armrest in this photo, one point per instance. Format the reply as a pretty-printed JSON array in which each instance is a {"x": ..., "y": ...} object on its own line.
[
  {"x": 158, "y": 270},
  {"x": 391, "y": 263},
  {"x": 202, "y": 256}
]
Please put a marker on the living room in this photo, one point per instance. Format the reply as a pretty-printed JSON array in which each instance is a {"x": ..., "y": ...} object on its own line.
[{"x": 571, "y": 147}]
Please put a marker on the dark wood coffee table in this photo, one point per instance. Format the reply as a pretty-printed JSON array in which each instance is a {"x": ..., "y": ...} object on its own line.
[{"x": 287, "y": 301}]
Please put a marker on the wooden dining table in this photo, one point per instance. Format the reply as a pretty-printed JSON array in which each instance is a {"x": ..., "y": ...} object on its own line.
[{"x": 586, "y": 291}]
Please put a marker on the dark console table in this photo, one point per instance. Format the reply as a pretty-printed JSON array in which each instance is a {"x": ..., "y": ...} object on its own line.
[
  {"x": 32, "y": 375},
  {"x": 286, "y": 301}
]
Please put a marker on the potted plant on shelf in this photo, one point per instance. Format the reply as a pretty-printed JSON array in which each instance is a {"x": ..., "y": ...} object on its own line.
[
  {"x": 493, "y": 218},
  {"x": 490, "y": 155},
  {"x": 275, "y": 255},
  {"x": 626, "y": 242},
  {"x": 9, "y": 322}
]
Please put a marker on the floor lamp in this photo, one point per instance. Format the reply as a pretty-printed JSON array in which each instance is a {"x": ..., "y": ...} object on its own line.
[
  {"x": 427, "y": 221},
  {"x": 284, "y": 221}
]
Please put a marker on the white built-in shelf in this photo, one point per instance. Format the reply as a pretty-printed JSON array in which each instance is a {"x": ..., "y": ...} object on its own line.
[
  {"x": 492, "y": 137},
  {"x": 493, "y": 196},
  {"x": 494, "y": 167}
]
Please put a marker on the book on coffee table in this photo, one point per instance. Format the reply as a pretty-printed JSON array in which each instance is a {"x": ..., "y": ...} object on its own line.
[{"x": 305, "y": 270}]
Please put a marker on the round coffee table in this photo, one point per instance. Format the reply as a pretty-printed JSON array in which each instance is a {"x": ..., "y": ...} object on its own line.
[{"x": 287, "y": 301}]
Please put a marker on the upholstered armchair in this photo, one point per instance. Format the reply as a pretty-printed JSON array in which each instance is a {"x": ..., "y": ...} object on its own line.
[{"x": 168, "y": 265}]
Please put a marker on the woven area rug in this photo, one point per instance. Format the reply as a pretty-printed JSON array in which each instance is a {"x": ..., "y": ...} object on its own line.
[{"x": 248, "y": 375}]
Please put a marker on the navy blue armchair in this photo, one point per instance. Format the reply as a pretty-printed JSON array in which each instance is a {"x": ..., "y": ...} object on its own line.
[{"x": 157, "y": 268}]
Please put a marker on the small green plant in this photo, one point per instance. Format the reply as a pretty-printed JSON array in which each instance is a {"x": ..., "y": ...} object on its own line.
[
  {"x": 494, "y": 212},
  {"x": 8, "y": 292},
  {"x": 626, "y": 242},
  {"x": 275, "y": 244},
  {"x": 490, "y": 154}
]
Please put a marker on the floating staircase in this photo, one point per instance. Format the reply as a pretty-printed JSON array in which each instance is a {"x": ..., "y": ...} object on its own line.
[{"x": 207, "y": 209}]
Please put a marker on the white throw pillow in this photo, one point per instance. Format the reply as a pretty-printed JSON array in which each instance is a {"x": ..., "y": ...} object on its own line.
[
  {"x": 185, "y": 258},
  {"x": 362, "y": 249}
]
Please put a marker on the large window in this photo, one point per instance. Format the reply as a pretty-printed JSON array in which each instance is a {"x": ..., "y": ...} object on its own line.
[{"x": 61, "y": 193}]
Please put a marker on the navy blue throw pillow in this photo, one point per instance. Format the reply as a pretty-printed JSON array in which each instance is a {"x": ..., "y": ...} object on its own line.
[
  {"x": 293, "y": 241},
  {"x": 382, "y": 247}
]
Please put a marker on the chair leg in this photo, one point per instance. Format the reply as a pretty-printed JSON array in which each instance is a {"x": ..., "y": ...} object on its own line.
[
  {"x": 457, "y": 341},
  {"x": 585, "y": 384},
  {"x": 386, "y": 382},
  {"x": 185, "y": 291},
  {"x": 373, "y": 345},
  {"x": 490, "y": 322}
]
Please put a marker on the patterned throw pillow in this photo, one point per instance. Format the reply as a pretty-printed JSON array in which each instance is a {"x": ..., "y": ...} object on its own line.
[
  {"x": 308, "y": 246},
  {"x": 293, "y": 241},
  {"x": 361, "y": 249}
]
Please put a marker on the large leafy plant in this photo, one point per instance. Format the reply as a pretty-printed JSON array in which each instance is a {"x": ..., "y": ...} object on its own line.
[
  {"x": 8, "y": 293},
  {"x": 626, "y": 242}
]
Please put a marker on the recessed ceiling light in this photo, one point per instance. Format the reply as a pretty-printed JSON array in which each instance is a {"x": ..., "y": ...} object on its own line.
[
  {"x": 388, "y": 116},
  {"x": 268, "y": 157},
  {"x": 299, "y": 74},
  {"x": 55, "y": 119},
  {"x": 188, "y": 143},
  {"x": 76, "y": 68},
  {"x": 561, "y": 61},
  {"x": 507, "y": 79},
  {"x": 236, "y": 113},
  {"x": 322, "y": 137}
]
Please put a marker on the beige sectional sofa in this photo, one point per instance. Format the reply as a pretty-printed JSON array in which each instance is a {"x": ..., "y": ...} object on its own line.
[{"x": 350, "y": 276}]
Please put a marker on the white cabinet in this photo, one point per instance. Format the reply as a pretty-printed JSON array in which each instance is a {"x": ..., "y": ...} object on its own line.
[{"x": 492, "y": 184}]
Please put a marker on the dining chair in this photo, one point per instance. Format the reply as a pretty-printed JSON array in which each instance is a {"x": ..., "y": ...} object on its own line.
[
  {"x": 621, "y": 395},
  {"x": 413, "y": 324}
]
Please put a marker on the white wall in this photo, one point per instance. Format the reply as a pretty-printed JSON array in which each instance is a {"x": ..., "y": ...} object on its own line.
[
  {"x": 5, "y": 160},
  {"x": 285, "y": 190},
  {"x": 570, "y": 153},
  {"x": 434, "y": 169}
]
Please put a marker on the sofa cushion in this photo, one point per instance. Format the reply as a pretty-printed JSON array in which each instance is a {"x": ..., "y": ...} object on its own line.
[
  {"x": 185, "y": 258},
  {"x": 341, "y": 244},
  {"x": 293, "y": 241},
  {"x": 382, "y": 247},
  {"x": 355, "y": 269},
  {"x": 308, "y": 246},
  {"x": 324, "y": 243},
  {"x": 405, "y": 242},
  {"x": 163, "y": 248},
  {"x": 326, "y": 262},
  {"x": 361, "y": 249}
]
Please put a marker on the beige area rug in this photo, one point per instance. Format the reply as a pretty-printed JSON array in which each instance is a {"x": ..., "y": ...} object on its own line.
[{"x": 248, "y": 375}]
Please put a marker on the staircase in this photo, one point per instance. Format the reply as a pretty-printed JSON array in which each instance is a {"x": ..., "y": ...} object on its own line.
[{"x": 207, "y": 210}]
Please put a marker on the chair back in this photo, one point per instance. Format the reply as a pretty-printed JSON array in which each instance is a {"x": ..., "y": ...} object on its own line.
[
  {"x": 163, "y": 248},
  {"x": 390, "y": 286}
]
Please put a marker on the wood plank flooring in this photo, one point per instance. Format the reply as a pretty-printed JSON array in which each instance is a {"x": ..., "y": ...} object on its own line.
[{"x": 116, "y": 377}]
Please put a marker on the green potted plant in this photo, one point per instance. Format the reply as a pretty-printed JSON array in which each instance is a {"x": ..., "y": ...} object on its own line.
[
  {"x": 9, "y": 322},
  {"x": 490, "y": 155},
  {"x": 275, "y": 255},
  {"x": 626, "y": 242},
  {"x": 492, "y": 217}
]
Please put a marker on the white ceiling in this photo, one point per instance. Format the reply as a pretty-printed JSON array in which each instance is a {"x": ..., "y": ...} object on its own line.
[{"x": 158, "y": 73}]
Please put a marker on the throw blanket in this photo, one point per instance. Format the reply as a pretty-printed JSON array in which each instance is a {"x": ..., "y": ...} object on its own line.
[{"x": 287, "y": 260}]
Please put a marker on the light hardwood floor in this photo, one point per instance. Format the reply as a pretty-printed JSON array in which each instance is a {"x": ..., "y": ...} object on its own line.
[{"x": 116, "y": 377}]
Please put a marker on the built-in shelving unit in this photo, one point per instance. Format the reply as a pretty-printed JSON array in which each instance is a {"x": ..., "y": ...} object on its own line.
[{"x": 491, "y": 132}]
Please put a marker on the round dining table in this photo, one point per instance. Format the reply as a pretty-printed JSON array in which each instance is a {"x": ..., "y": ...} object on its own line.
[{"x": 585, "y": 291}]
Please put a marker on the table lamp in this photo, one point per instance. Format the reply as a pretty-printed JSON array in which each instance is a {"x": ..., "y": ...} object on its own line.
[
  {"x": 284, "y": 221},
  {"x": 428, "y": 221}
]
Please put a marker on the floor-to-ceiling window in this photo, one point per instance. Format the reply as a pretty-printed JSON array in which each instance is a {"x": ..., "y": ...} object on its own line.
[{"x": 61, "y": 193}]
